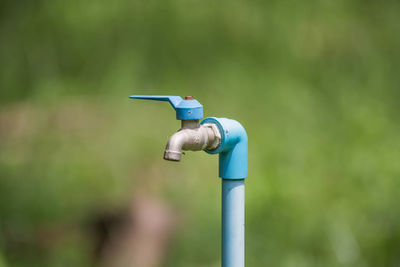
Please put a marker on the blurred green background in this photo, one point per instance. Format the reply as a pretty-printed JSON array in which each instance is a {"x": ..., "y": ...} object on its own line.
[{"x": 315, "y": 83}]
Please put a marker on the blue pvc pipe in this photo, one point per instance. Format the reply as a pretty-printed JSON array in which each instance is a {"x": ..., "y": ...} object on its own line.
[
  {"x": 232, "y": 223},
  {"x": 233, "y": 160}
]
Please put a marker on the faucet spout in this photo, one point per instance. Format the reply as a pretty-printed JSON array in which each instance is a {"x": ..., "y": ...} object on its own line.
[
  {"x": 192, "y": 136},
  {"x": 173, "y": 150}
]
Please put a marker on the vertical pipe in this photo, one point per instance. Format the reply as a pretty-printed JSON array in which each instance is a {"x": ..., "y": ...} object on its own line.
[{"x": 232, "y": 223}]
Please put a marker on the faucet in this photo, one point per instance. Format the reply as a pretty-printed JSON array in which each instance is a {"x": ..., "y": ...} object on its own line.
[
  {"x": 225, "y": 137},
  {"x": 192, "y": 136}
]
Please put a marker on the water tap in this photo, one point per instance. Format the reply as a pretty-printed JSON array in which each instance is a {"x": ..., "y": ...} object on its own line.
[
  {"x": 192, "y": 135},
  {"x": 228, "y": 139}
]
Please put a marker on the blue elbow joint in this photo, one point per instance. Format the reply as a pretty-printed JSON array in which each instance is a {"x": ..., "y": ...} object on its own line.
[{"x": 233, "y": 150}]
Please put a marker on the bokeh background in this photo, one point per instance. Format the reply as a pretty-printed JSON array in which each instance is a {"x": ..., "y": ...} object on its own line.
[{"x": 315, "y": 83}]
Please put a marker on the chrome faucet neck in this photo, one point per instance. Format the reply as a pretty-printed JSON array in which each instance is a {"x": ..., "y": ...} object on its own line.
[{"x": 190, "y": 124}]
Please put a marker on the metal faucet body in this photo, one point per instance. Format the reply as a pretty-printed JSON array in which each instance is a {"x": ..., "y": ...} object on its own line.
[{"x": 192, "y": 136}]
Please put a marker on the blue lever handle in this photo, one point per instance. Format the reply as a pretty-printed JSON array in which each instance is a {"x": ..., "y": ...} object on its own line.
[
  {"x": 174, "y": 100},
  {"x": 186, "y": 109}
]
